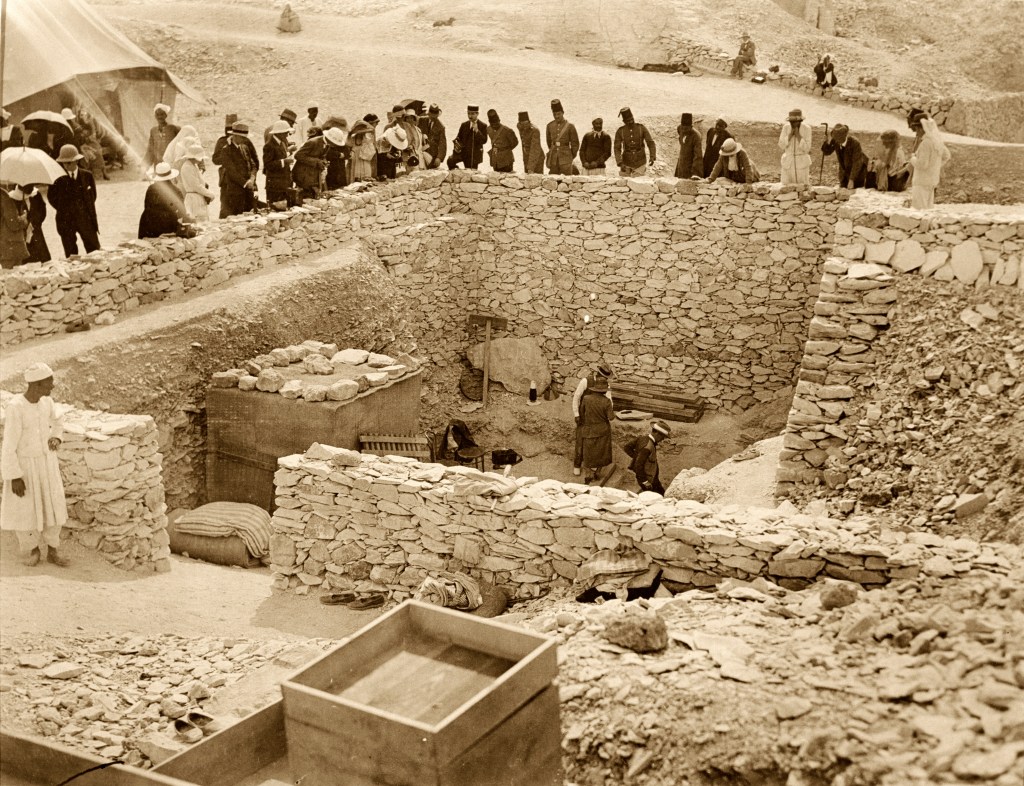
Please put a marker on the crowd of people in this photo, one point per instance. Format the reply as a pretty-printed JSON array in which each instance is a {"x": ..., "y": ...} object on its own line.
[{"x": 305, "y": 157}]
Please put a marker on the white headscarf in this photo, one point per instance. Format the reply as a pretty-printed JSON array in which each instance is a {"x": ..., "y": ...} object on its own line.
[
  {"x": 178, "y": 146},
  {"x": 931, "y": 130}
]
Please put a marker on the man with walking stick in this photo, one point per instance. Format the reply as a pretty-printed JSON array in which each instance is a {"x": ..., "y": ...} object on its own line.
[{"x": 821, "y": 169}]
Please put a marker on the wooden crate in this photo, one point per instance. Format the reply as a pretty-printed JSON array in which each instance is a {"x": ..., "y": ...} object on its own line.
[
  {"x": 409, "y": 445},
  {"x": 659, "y": 400},
  {"x": 428, "y": 696},
  {"x": 27, "y": 761}
]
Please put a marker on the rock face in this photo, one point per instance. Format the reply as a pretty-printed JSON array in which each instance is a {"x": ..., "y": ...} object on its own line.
[{"x": 514, "y": 363}]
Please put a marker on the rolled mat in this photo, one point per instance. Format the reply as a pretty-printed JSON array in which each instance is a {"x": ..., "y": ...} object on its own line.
[{"x": 228, "y": 550}]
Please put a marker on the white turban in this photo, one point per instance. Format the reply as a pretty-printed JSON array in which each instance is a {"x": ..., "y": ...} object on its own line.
[
  {"x": 37, "y": 372},
  {"x": 158, "y": 107}
]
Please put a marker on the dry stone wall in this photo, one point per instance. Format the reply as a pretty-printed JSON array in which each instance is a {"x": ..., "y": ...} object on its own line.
[
  {"x": 911, "y": 384},
  {"x": 111, "y": 466},
  {"x": 346, "y": 519}
]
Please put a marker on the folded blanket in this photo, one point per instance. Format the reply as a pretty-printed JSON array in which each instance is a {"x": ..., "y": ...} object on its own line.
[
  {"x": 451, "y": 590},
  {"x": 220, "y": 519}
]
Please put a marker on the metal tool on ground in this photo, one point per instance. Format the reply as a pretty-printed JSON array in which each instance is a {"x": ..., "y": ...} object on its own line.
[{"x": 490, "y": 322}]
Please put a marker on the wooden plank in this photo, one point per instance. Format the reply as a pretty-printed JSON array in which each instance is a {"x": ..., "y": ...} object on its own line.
[
  {"x": 229, "y": 756},
  {"x": 525, "y": 750},
  {"x": 484, "y": 635}
]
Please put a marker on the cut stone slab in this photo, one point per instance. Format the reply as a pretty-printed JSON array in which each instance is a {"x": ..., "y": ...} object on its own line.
[
  {"x": 967, "y": 262},
  {"x": 64, "y": 670},
  {"x": 514, "y": 363},
  {"x": 969, "y": 504}
]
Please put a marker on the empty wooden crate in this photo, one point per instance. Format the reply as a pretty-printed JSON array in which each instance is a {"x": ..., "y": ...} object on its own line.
[{"x": 427, "y": 696}]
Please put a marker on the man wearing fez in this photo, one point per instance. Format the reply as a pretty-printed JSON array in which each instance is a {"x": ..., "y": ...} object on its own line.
[
  {"x": 435, "y": 143},
  {"x": 533, "y": 153},
  {"x": 630, "y": 139},
  {"x": 503, "y": 142},
  {"x": 595, "y": 149},
  {"x": 691, "y": 161},
  {"x": 33, "y": 503},
  {"x": 563, "y": 142},
  {"x": 716, "y": 138},
  {"x": 468, "y": 148}
]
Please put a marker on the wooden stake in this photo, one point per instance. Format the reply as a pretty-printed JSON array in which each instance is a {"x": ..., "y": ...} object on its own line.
[{"x": 487, "y": 359}]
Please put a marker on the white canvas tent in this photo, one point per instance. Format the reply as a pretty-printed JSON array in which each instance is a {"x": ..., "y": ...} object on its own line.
[{"x": 61, "y": 53}]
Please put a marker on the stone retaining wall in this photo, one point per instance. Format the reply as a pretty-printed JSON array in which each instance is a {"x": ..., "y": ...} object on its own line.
[
  {"x": 350, "y": 520},
  {"x": 852, "y": 377},
  {"x": 111, "y": 467}
]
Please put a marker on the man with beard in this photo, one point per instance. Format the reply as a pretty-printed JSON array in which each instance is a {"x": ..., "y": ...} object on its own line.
[{"x": 716, "y": 136}]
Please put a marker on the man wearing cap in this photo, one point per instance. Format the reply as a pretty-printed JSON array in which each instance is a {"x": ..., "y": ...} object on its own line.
[
  {"x": 595, "y": 149},
  {"x": 745, "y": 57},
  {"x": 287, "y": 116},
  {"x": 533, "y": 153},
  {"x": 33, "y": 503},
  {"x": 435, "y": 144},
  {"x": 503, "y": 142},
  {"x": 160, "y": 136},
  {"x": 563, "y": 142},
  {"x": 630, "y": 139},
  {"x": 603, "y": 371},
  {"x": 73, "y": 197},
  {"x": 691, "y": 161},
  {"x": 795, "y": 144},
  {"x": 853, "y": 163},
  {"x": 645, "y": 457},
  {"x": 468, "y": 148},
  {"x": 238, "y": 169},
  {"x": 595, "y": 428},
  {"x": 277, "y": 163},
  {"x": 307, "y": 123},
  {"x": 716, "y": 136}
]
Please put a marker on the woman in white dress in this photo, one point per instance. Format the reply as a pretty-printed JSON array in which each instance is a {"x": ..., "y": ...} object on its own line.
[{"x": 190, "y": 177}]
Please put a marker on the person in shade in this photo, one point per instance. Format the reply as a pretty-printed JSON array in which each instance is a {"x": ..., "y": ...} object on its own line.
[
  {"x": 716, "y": 138},
  {"x": 563, "y": 142},
  {"x": 238, "y": 169},
  {"x": 645, "y": 457},
  {"x": 277, "y": 163},
  {"x": 853, "y": 163},
  {"x": 164, "y": 211},
  {"x": 10, "y": 134},
  {"x": 468, "y": 147},
  {"x": 795, "y": 144},
  {"x": 533, "y": 152},
  {"x": 595, "y": 149},
  {"x": 734, "y": 164},
  {"x": 33, "y": 503},
  {"x": 435, "y": 143},
  {"x": 630, "y": 139},
  {"x": 596, "y": 431},
  {"x": 691, "y": 161},
  {"x": 160, "y": 135},
  {"x": 73, "y": 198},
  {"x": 38, "y": 250},
  {"x": 503, "y": 142},
  {"x": 306, "y": 124},
  {"x": 930, "y": 153},
  {"x": 603, "y": 371}
]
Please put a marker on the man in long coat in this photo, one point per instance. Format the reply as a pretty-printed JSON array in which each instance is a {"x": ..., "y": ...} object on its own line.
[
  {"x": 238, "y": 168},
  {"x": 435, "y": 144},
  {"x": 596, "y": 429},
  {"x": 604, "y": 371},
  {"x": 595, "y": 149},
  {"x": 690, "y": 162},
  {"x": 503, "y": 142},
  {"x": 73, "y": 197},
  {"x": 563, "y": 142},
  {"x": 533, "y": 153},
  {"x": 645, "y": 458},
  {"x": 468, "y": 148},
  {"x": 853, "y": 163},
  {"x": 630, "y": 139},
  {"x": 795, "y": 144},
  {"x": 716, "y": 136},
  {"x": 33, "y": 503}
]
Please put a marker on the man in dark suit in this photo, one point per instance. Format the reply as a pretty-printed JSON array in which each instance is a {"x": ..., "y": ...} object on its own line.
[
  {"x": 73, "y": 197},
  {"x": 716, "y": 136},
  {"x": 469, "y": 144},
  {"x": 238, "y": 167},
  {"x": 435, "y": 143}
]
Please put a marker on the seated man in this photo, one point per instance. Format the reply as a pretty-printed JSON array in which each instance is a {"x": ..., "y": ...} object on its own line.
[{"x": 745, "y": 57}]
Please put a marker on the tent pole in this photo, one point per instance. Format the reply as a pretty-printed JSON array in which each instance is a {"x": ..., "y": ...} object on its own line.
[{"x": 3, "y": 46}]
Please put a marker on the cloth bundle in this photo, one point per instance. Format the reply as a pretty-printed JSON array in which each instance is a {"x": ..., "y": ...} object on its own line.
[
  {"x": 221, "y": 519},
  {"x": 451, "y": 590},
  {"x": 488, "y": 485},
  {"x": 612, "y": 569}
]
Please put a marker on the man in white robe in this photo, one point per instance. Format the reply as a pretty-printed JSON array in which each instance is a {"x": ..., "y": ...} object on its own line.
[
  {"x": 33, "y": 503},
  {"x": 930, "y": 153}
]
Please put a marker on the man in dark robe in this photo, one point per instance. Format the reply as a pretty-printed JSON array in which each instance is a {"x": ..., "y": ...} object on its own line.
[
  {"x": 645, "y": 458},
  {"x": 238, "y": 168},
  {"x": 73, "y": 197},
  {"x": 164, "y": 209},
  {"x": 533, "y": 153},
  {"x": 563, "y": 142},
  {"x": 596, "y": 430},
  {"x": 630, "y": 139},
  {"x": 690, "y": 162},
  {"x": 160, "y": 136},
  {"x": 468, "y": 148},
  {"x": 503, "y": 142},
  {"x": 716, "y": 136},
  {"x": 853, "y": 163},
  {"x": 595, "y": 149},
  {"x": 435, "y": 143}
]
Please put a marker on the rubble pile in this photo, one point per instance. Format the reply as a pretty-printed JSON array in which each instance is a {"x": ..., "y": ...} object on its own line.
[
  {"x": 347, "y": 520},
  {"x": 111, "y": 466},
  {"x": 117, "y": 697}
]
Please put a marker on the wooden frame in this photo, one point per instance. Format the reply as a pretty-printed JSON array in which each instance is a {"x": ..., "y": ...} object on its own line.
[{"x": 410, "y": 445}]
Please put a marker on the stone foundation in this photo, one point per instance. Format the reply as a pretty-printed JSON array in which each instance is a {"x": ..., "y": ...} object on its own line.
[{"x": 111, "y": 467}]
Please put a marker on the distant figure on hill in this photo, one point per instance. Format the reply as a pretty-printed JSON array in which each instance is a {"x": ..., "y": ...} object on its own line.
[
  {"x": 289, "y": 21},
  {"x": 435, "y": 143},
  {"x": 533, "y": 152},
  {"x": 595, "y": 149},
  {"x": 563, "y": 142},
  {"x": 853, "y": 163},
  {"x": 734, "y": 163},
  {"x": 690, "y": 162},
  {"x": 795, "y": 144},
  {"x": 630, "y": 139},
  {"x": 716, "y": 137},
  {"x": 745, "y": 57},
  {"x": 468, "y": 148},
  {"x": 930, "y": 153},
  {"x": 888, "y": 168},
  {"x": 160, "y": 136},
  {"x": 503, "y": 142},
  {"x": 825, "y": 74}
]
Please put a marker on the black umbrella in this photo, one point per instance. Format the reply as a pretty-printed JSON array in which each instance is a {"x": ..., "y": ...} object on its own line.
[{"x": 413, "y": 103}]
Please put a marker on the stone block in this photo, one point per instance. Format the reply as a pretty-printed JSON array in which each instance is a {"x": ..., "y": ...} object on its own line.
[
  {"x": 796, "y": 568},
  {"x": 909, "y": 255},
  {"x": 966, "y": 261}
]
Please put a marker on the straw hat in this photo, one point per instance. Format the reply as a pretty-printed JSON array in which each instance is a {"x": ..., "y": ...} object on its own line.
[
  {"x": 397, "y": 137},
  {"x": 161, "y": 171}
]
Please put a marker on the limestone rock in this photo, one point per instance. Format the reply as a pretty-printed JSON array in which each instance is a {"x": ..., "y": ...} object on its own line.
[
  {"x": 350, "y": 357},
  {"x": 291, "y": 389},
  {"x": 837, "y": 595},
  {"x": 514, "y": 363},
  {"x": 637, "y": 629},
  {"x": 967, "y": 262},
  {"x": 269, "y": 380},
  {"x": 317, "y": 364},
  {"x": 343, "y": 390},
  {"x": 63, "y": 670},
  {"x": 375, "y": 360},
  {"x": 792, "y": 707}
]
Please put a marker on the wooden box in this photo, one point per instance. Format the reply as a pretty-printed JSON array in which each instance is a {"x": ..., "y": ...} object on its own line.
[{"x": 428, "y": 696}]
